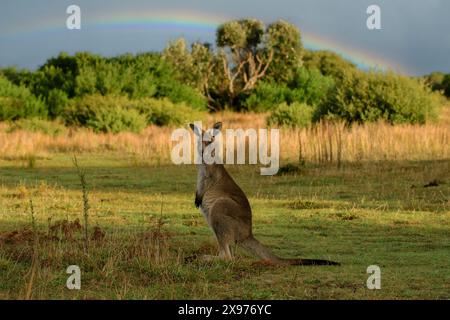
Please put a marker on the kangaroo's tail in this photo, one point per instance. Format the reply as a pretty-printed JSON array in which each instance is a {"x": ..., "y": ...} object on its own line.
[{"x": 255, "y": 247}]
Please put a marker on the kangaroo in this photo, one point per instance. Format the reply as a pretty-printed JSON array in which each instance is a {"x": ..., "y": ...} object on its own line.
[{"x": 228, "y": 212}]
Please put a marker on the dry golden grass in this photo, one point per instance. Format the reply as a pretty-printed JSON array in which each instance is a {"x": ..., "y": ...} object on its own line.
[{"x": 326, "y": 142}]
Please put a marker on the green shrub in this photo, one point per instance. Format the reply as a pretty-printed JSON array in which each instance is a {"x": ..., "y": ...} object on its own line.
[
  {"x": 38, "y": 125},
  {"x": 105, "y": 114},
  {"x": 57, "y": 100},
  {"x": 178, "y": 92},
  {"x": 306, "y": 86},
  {"x": 117, "y": 119},
  {"x": 367, "y": 97},
  {"x": 17, "y": 102},
  {"x": 118, "y": 113},
  {"x": 294, "y": 115},
  {"x": 266, "y": 96},
  {"x": 328, "y": 63},
  {"x": 310, "y": 86},
  {"x": 163, "y": 112}
]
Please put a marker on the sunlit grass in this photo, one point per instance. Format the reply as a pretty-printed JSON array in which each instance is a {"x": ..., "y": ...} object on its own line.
[{"x": 360, "y": 214}]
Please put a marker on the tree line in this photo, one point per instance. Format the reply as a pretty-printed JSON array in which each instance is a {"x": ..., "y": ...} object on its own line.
[{"x": 250, "y": 67}]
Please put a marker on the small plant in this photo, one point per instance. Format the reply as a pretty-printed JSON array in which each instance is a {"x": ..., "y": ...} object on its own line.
[
  {"x": 34, "y": 261},
  {"x": 33, "y": 220},
  {"x": 86, "y": 207},
  {"x": 31, "y": 161}
]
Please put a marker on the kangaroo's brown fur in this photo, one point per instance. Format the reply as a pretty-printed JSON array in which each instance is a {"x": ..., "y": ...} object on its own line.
[{"x": 228, "y": 213}]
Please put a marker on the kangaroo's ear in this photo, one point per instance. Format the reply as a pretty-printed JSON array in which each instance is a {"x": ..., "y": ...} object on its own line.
[
  {"x": 195, "y": 129},
  {"x": 217, "y": 126}
]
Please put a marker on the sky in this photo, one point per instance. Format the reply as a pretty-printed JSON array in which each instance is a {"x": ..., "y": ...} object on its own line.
[{"x": 414, "y": 38}]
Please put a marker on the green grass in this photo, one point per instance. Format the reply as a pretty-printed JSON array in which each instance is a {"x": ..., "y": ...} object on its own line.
[{"x": 360, "y": 215}]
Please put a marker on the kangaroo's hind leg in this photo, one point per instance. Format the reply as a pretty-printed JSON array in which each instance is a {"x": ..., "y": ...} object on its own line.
[
  {"x": 224, "y": 251},
  {"x": 223, "y": 228},
  {"x": 224, "y": 238}
]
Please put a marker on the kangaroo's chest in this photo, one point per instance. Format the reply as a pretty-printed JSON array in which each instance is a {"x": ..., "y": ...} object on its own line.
[
  {"x": 206, "y": 206},
  {"x": 202, "y": 201},
  {"x": 205, "y": 213},
  {"x": 201, "y": 181}
]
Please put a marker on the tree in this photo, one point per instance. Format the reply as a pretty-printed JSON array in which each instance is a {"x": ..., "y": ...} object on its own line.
[
  {"x": 446, "y": 85},
  {"x": 434, "y": 80},
  {"x": 246, "y": 51},
  {"x": 285, "y": 41},
  {"x": 243, "y": 55},
  {"x": 195, "y": 66}
]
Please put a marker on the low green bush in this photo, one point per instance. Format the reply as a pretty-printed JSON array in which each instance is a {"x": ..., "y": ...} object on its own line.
[
  {"x": 105, "y": 114},
  {"x": 294, "y": 115},
  {"x": 17, "y": 102},
  {"x": 266, "y": 96},
  {"x": 372, "y": 96},
  {"x": 118, "y": 113},
  {"x": 306, "y": 86},
  {"x": 310, "y": 86},
  {"x": 162, "y": 112},
  {"x": 57, "y": 100}
]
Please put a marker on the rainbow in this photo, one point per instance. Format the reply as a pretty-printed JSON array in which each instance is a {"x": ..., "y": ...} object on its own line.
[
  {"x": 363, "y": 59},
  {"x": 184, "y": 21}
]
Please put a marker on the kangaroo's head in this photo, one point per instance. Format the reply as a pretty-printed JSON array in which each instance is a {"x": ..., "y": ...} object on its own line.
[{"x": 206, "y": 136}]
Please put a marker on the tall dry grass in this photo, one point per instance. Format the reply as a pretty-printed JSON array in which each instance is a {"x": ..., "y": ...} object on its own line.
[{"x": 323, "y": 143}]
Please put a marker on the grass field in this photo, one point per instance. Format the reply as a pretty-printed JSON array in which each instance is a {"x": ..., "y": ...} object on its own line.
[{"x": 393, "y": 213}]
